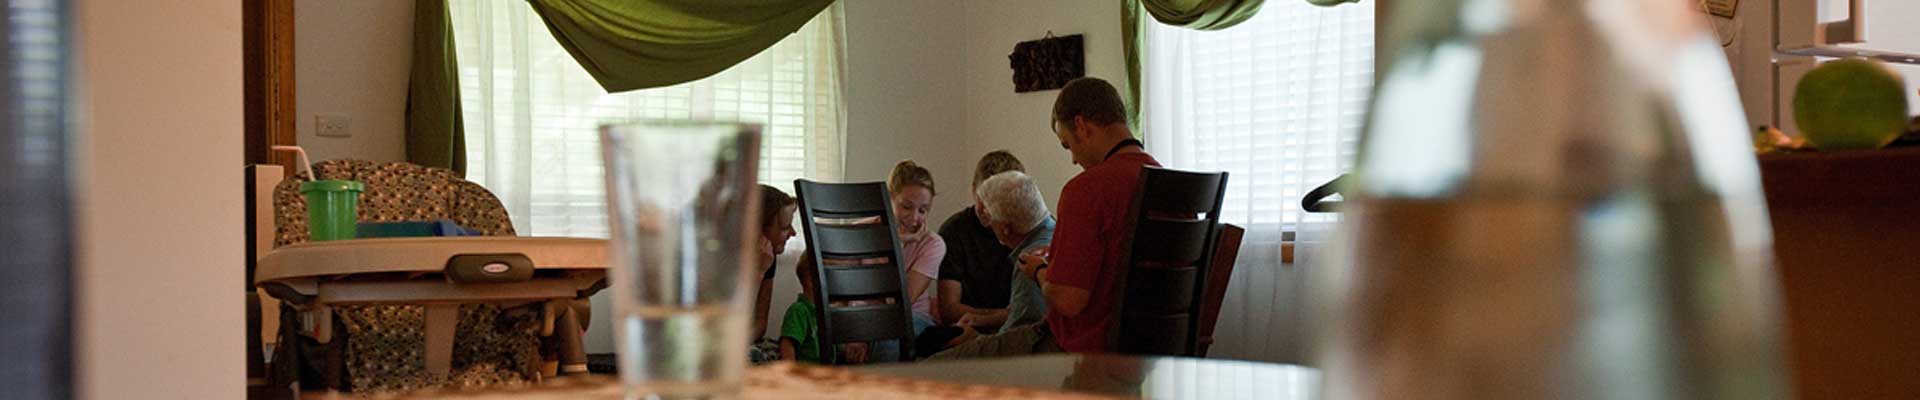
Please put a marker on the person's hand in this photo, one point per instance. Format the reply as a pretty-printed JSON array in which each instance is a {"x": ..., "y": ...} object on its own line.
[
  {"x": 968, "y": 320},
  {"x": 1031, "y": 260},
  {"x": 967, "y": 333},
  {"x": 854, "y": 353}
]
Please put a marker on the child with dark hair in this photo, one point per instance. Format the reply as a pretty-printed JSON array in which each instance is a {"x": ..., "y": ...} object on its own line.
[{"x": 776, "y": 228}]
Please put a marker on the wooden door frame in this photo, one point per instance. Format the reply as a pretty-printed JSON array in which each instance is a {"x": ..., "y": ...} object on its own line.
[
  {"x": 268, "y": 48},
  {"x": 267, "y": 73}
]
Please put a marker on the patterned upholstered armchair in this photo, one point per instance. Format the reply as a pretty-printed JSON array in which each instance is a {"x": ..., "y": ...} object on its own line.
[{"x": 385, "y": 346}]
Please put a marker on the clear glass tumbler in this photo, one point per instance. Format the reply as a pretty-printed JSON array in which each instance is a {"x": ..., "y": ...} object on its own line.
[
  {"x": 1553, "y": 199},
  {"x": 680, "y": 199}
]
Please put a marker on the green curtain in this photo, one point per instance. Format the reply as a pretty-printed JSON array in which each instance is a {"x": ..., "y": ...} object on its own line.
[
  {"x": 435, "y": 136},
  {"x": 1205, "y": 15},
  {"x": 638, "y": 44}
]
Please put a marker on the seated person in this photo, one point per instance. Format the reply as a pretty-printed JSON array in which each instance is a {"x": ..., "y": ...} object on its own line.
[
  {"x": 799, "y": 330},
  {"x": 973, "y": 277},
  {"x": 1019, "y": 219},
  {"x": 911, "y": 189},
  {"x": 776, "y": 228}
]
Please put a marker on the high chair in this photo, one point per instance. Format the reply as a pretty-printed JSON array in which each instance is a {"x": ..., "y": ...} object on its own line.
[{"x": 370, "y": 315}]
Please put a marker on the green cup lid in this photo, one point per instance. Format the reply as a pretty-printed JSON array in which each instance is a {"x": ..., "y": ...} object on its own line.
[{"x": 332, "y": 186}]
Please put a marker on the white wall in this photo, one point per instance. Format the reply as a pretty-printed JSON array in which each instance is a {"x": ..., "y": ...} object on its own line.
[
  {"x": 903, "y": 98},
  {"x": 352, "y": 58},
  {"x": 159, "y": 313},
  {"x": 996, "y": 117},
  {"x": 1890, "y": 27}
]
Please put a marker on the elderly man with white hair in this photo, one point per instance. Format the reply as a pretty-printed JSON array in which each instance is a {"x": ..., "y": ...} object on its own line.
[{"x": 1017, "y": 214}]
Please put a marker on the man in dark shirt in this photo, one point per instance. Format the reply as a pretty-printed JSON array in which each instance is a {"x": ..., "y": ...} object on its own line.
[{"x": 973, "y": 277}]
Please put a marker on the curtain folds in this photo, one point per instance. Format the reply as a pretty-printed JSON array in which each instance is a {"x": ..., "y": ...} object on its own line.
[
  {"x": 435, "y": 133},
  {"x": 1204, "y": 15},
  {"x": 638, "y": 44}
]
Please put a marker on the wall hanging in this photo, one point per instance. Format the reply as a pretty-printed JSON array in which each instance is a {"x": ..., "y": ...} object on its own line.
[{"x": 1047, "y": 63}]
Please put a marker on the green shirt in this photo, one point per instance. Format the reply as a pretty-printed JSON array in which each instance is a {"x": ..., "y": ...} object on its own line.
[{"x": 799, "y": 326}]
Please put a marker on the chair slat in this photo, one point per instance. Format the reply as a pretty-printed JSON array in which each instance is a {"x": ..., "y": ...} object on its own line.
[
  {"x": 853, "y": 240},
  {"x": 870, "y": 323},
  {"x": 843, "y": 198},
  {"x": 1161, "y": 290},
  {"x": 1170, "y": 242},
  {"x": 863, "y": 281},
  {"x": 1177, "y": 191},
  {"x": 1155, "y": 334}
]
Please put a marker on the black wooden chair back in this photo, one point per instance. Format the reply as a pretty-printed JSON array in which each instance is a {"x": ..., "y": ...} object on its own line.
[
  {"x": 859, "y": 287},
  {"x": 1169, "y": 252}
]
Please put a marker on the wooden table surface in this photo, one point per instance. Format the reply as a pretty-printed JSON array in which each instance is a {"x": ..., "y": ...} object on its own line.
[{"x": 1056, "y": 376}]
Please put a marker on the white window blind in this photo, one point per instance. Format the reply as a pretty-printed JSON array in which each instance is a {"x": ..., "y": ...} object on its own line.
[
  {"x": 532, "y": 113},
  {"x": 1276, "y": 101}
]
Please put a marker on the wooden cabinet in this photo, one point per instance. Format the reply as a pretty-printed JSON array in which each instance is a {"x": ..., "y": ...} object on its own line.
[{"x": 1847, "y": 237}]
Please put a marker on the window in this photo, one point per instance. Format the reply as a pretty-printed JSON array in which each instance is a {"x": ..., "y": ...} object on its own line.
[
  {"x": 1276, "y": 101},
  {"x": 532, "y": 113}
]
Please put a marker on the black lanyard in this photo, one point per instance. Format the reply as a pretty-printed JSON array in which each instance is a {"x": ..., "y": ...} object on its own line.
[{"x": 1123, "y": 144}]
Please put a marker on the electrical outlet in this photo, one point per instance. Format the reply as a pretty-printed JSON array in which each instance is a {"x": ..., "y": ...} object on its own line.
[{"x": 333, "y": 125}]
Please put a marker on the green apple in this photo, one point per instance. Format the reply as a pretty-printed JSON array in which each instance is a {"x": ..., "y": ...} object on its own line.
[{"x": 1850, "y": 104}]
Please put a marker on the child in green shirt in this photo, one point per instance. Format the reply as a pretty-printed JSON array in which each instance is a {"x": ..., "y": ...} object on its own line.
[
  {"x": 799, "y": 336},
  {"x": 799, "y": 330}
]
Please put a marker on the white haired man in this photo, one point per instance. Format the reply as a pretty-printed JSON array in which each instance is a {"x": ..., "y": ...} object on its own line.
[{"x": 1017, "y": 214}]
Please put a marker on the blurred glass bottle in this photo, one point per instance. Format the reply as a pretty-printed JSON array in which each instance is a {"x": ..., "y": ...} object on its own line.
[{"x": 1553, "y": 199}]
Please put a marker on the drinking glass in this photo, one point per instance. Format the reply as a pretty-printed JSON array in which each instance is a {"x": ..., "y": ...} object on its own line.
[
  {"x": 681, "y": 200},
  {"x": 1552, "y": 199}
]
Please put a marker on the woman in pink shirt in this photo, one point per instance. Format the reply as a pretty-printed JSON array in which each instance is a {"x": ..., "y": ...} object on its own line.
[{"x": 911, "y": 187}]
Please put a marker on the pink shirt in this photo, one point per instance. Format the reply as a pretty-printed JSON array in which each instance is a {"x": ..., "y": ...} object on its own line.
[{"x": 923, "y": 258}]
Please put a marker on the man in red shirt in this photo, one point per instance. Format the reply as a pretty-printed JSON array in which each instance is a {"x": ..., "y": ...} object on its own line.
[
  {"x": 1084, "y": 267},
  {"x": 1080, "y": 275}
]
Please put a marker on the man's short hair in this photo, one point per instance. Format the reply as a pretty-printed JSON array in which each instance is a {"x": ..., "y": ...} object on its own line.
[
  {"x": 1090, "y": 98},
  {"x": 993, "y": 164},
  {"x": 1012, "y": 198}
]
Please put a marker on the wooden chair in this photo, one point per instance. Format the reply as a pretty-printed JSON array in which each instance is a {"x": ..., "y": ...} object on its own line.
[
  {"x": 1219, "y": 275},
  {"x": 860, "y": 289},
  {"x": 1169, "y": 253}
]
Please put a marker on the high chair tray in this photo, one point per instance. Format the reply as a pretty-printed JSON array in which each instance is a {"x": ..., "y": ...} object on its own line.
[{"x": 434, "y": 268}]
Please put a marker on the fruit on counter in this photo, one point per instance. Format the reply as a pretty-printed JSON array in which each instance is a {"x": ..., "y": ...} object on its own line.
[{"x": 1850, "y": 104}]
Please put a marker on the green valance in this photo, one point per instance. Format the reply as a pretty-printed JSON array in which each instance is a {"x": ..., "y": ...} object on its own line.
[
  {"x": 1203, "y": 15},
  {"x": 637, "y": 44}
]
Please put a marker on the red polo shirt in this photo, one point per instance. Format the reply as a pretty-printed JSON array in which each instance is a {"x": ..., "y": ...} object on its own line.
[{"x": 1086, "y": 249}]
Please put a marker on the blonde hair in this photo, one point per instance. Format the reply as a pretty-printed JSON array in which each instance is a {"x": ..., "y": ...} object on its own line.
[{"x": 905, "y": 174}]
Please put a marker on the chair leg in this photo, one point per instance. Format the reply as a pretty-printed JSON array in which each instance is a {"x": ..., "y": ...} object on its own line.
[
  {"x": 573, "y": 353},
  {"x": 442, "y": 321}
]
